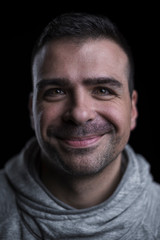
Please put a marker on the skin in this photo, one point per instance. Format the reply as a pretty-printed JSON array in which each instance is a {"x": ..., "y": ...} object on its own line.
[{"x": 82, "y": 114}]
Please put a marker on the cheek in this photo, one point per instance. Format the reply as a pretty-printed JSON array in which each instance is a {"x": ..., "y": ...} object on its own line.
[
  {"x": 119, "y": 115},
  {"x": 46, "y": 115}
]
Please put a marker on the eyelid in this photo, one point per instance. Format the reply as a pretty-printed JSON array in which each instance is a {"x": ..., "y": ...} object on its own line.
[
  {"x": 51, "y": 93},
  {"x": 105, "y": 88},
  {"x": 94, "y": 91},
  {"x": 54, "y": 89}
]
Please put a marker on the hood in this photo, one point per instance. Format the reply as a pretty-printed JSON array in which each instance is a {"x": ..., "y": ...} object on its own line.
[{"x": 49, "y": 218}]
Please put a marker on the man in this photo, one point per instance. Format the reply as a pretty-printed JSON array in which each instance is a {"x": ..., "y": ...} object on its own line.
[{"x": 79, "y": 179}]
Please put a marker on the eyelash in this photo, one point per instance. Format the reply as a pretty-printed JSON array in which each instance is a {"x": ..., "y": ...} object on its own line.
[
  {"x": 60, "y": 93},
  {"x": 102, "y": 91},
  {"x": 49, "y": 92}
]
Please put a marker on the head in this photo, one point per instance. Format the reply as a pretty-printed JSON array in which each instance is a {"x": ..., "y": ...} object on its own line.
[
  {"x": 84, "y": 103},
  {"x": 81, "y": 26}
]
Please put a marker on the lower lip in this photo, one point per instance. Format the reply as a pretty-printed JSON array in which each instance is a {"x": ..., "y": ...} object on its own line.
[{"x": 82, "y": 143}]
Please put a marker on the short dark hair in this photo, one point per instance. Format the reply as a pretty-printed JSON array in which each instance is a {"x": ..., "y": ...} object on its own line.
[{"x": 81, "y": 26}]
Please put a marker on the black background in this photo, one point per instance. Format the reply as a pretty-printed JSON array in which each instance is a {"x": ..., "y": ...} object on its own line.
[{"x": 21, "y": 24}]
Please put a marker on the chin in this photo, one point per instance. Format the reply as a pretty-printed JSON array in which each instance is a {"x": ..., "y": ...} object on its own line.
[{"x": 84, "y": 165}]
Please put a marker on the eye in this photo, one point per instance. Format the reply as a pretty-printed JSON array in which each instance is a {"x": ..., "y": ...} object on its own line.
[
  {"x": 54, "y": 93},
  {"x": 102, "y": 91}
]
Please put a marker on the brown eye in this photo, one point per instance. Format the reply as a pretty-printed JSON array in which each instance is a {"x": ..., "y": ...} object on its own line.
[
  {"x": 54, "y": 91},
  {"x": 54, "y": 94},
  {"x": 102, "y": 91}
]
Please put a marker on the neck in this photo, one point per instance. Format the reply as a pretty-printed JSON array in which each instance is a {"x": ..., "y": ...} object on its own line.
[{"x": 83, "y": 192}]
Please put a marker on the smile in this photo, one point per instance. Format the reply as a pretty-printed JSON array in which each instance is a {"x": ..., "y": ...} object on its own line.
[{"x": 81, "y": 142}]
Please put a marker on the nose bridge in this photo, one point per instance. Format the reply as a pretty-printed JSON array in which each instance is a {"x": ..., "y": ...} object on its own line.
[
  {"x": 80, "y": 109},
  {"x": 79, "y": 98}
]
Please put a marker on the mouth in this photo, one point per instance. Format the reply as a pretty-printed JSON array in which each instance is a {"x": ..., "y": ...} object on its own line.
[{"x": 81, "y": 142}]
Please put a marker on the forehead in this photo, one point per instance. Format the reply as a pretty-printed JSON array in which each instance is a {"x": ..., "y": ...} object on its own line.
[{"x": 73, "y": 60}]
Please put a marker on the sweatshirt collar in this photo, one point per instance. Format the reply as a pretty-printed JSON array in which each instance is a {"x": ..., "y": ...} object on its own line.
[{"x": 42, "y": 212}]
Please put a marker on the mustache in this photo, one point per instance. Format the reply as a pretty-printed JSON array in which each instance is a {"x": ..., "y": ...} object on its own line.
[{"x": 69, "y": 130}]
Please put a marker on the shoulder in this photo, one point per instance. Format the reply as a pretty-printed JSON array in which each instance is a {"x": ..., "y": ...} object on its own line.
[
  {"x": 5, "y": 187},
  {"x": 151, "y": 201},
  {"x": 151, "y": 220},
  {"x": 147, "y": 202},
  {"x": 7, "y": 196},
  {"x": 9, "y": 216}
]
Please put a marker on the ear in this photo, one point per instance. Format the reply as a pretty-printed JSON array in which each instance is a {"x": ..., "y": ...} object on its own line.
[
  {"x": 30, "y": 107},
  {"x": 134, "y": 111}
]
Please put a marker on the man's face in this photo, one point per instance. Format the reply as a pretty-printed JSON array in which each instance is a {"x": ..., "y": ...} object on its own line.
[{"x": 82, "y": 112}]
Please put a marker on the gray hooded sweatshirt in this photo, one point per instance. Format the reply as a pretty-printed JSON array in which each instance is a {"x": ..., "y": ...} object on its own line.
[{"x": 28, "y": 211}]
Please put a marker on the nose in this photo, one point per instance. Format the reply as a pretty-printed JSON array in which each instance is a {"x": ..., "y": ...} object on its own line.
[{"x": 80, "y": 110}]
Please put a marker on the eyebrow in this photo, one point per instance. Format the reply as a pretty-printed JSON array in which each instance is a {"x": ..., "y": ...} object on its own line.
[
  {"x": 103, "y": 80},
  {"x": 53, "y": 81},
  {"x": 62, "y": 82}
]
